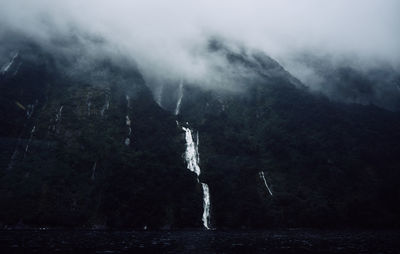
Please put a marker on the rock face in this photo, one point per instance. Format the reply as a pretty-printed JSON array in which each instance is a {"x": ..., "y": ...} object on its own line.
[
  {"x": 65, "y": 157},
  {"x": 84, "y": 143}
]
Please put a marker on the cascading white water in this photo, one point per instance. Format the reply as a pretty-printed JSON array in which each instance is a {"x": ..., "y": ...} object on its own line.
[
  {"x": 6, "y": 67},
  {"x": 262, "y": 176},
  {"x": 192, "y": 160},
  {"x": 191, "y": 152},
  {"x": 180, "y": 96},
  {"x": 206, "y": 206},
  {"x": 128, "y": 123}
]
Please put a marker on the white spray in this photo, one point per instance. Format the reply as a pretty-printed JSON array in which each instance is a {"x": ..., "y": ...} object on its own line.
[{"x": 192, "y": 160}]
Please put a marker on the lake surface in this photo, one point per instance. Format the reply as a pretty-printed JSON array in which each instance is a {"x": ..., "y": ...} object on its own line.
[{"x": 274, "y": 241}]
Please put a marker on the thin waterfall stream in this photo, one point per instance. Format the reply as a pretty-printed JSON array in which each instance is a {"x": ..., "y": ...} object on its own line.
[
  {"x": 192, "y": 158},
  {"x": 262, "y": 176}
]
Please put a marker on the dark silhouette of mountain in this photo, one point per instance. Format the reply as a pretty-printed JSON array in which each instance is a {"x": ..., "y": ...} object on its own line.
[{"x": 90, "y": 147}]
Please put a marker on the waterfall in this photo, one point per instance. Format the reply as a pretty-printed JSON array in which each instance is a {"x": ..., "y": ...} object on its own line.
[
  {"x": 6, "y": 67},
  {"x": 206, "y": 206},
  {"x": 262, "y": 176},
  {"x": 29, "y": 140},
  {"x": 192, "y": 159},
  {"x": 180, "y": 96},
  {"x": 128, "y": 123},
  {"x": 191, "y": 152}
]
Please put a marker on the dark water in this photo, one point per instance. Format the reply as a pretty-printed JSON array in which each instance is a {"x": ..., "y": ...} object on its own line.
[{"x": 280, "y": 241}]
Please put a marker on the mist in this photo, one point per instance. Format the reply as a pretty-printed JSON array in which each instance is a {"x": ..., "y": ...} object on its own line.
[{"x": 167, "y": 38}]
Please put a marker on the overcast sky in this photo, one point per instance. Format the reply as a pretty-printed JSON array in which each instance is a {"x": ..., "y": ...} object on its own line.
[{"x": 163, "y": 35}]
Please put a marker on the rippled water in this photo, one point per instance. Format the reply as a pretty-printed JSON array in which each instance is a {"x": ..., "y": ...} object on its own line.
[{"x": 282, "y": 241}]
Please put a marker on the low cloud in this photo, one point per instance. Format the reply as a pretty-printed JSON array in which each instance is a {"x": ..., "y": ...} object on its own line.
[{"x": 167, "y": 38}]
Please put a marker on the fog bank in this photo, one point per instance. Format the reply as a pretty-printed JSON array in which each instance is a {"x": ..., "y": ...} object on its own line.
[{"x": 167, "y": 38}]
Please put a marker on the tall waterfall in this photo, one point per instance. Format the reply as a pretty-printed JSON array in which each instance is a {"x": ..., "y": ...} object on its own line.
[
  {"x": 262, "y": 176},
  {"x": 192, "y": 160},
  {"x": 180, "y": 96}
]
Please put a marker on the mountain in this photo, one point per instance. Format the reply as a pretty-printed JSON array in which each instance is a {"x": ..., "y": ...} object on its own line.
[
  {"x": 89, "y": 148},
  {"x": 351, "y": 81},
  {"x": 86, "y": 142}
]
